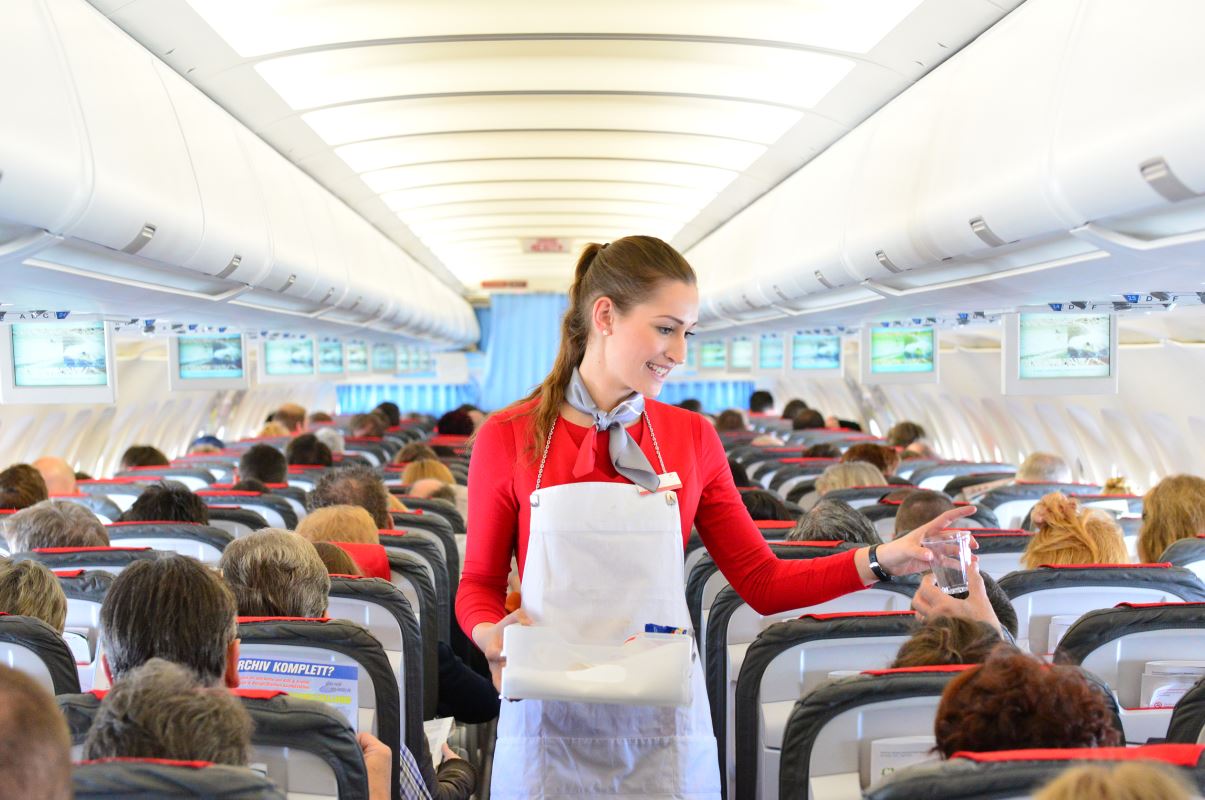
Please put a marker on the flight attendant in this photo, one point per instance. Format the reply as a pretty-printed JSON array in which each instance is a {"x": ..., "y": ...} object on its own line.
[{"x": 574, "y": 480}]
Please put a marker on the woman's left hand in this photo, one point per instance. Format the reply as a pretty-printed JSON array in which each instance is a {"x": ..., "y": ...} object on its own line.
[{"x": 906, "y": 555}]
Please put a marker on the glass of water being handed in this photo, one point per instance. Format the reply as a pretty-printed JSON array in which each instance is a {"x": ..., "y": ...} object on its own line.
[{"x": 951, "y": 559}]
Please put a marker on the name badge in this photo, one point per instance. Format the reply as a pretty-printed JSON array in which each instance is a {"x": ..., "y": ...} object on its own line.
[{"x": 669, "y": 481}]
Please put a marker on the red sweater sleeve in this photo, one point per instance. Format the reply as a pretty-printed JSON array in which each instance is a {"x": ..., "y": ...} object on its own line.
[
  {"x": 767, "y": 584},
  {"x": 492, "y": 527}
]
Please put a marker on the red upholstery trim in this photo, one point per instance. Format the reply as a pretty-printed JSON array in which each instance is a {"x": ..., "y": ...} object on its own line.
[
  {"x": 907, "y": 670},
  {"x": 372, "y": 559},
  {"x": 883, "y": 501},
  {"x": 1158, "y": 605},
  {"x": 99, "y": 694},
  {"x": 232, "y": 493},
  {"x": 114, "y": 481},
  {"x": 166, "y": 762},
  {"x": 68, "y": 573},
  {"x": 152, "y": 522},
  {"x": 773, "y": 524},
  {"x": 1160, "y": 565},
  {"x": 257, "y": 694},
  {"x": 54, "y": 550},
  {"x": 354, "y": 439},
  {"x": 9, "y": 510},
  {"x": 284, "y": 619},
  {"x": 448, "y": 439},
  {"x": 69, "y": 494},
  {"x": 988, "y": 533},
  {"x": 151, "y": 466},
  {"x": 853, "y": 614},
  {"x": 809, "y": 460},
  {"x": 809, "y": 544},
  {"x": 1182, "y": 755},
  {"x": 306, "y": 467}
]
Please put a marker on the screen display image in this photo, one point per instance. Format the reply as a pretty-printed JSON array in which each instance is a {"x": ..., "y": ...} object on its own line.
[
  {"x": 692, "y": 357},
  {"x": 770, "y": 353},
  {"x": 1064, "y": 346},
  {"x": 357, "y": 357},
  {"x": 713, "y": 355},
  {"x": 289, "y": 357},
  {"x": 815, "y": 351},
  {"x": 211, "y": 357},
  {"x": 405, "y": 359},
  {"x": 742, "y": 354},
  {"x": 896, "y": 351},
  {"x": 330, "y": 357},
  {"x": 384, "y": 358},
  {"x": 59, "y": 355}
]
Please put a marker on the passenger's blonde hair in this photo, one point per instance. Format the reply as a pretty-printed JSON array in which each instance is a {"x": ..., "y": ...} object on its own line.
[
  {"x": 427, "y": 468},
  {"x": 30, "y": 589},
  {"x": 1131, "y": 780},
  {"x": 1044, "y": 468},
  {"x": 1067, "y": 535},
  {"x": 272, "y": 430},
  {"x": 1117, "y": 485},
  {"x": 1173, "y": 509},
  {"x": 339, "y": 524},
  {"x": 849, "y": 475}
]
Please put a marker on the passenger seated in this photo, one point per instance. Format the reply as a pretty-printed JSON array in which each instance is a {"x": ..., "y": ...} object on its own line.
[
  {"x": 904, "y": 433},
  {"x": 341, "y": 523},
  {"x": 276, "y": 573},
  {"x": 273, "y": 430},
  {"x": 793, "y": 407},
  {"x": 317, "y": 418},
  {"x": 834, "y": 519},
  {"x": 203, "y": 445},
  {"x": 414, "y": 451},
  {"x": 918, "y": 507},
  {"x": 807, "y": 419},
  {"x": 1066, "y": 535},
  {"x": 263, "y": 463},
  {"x": 161, "y": 710},
  {"x": 739, "y": 476},
  {"x": 249, "y": 485},
  {"x": 21, "y": 486},
  {"x": 1013, "y": 701},
  {"x": 475, "y": 414},
  {"x": 885, "y": 459},
  {"x": 333, "y": 438},
  {"x": 691, "y": 404},
  {"x": 35, "y": 745},
  {"x": 434, "y": 488},
  {"x": 30, "y": 589},
  {"x": 391, "y": 412},
  {"x": 985, "y": 601},
  {"x": 427, "y": 468},
  {"x": 335, "y": 559},
  {"x": 948, "y": 640},
  {"x": 730, "y": 420},
  {"x": 291, "y": 417},
  {"x": 143, "y": 455},
  {"x": 167, "y": 502},
  {"x": 1117, "y": 485},
  {"x": 761, "y": 402},
  {"x": 1130, "y": 780},
  {"x": 357, "y": 486},
  {"x": 369, "y": 424},
  {"x": 848, "y": 476},
  {"x": 822, "y": 450},
  {"x": 455, "y": 423},
  {"x": 1043, "y": 468},
  {"x": 1173, "y": 509},
  {"x": 54, "y": 523},
  {"x": 763, "y": 505},
  {"x": 308, "y": 449},
  {"x": 57, "y": 473}
]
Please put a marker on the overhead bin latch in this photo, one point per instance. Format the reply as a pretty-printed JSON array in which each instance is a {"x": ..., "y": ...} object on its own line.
[
  {"x": 886, "y": 262},
  {"x": 823, "y": 281},
  {"x": 140, "y": 241},
  {"x": 1159, "y": 176},
  {"x": 292, "y": 279},
  {"x": 979, "y": 228},
  {"x": 234, "y": 264}
]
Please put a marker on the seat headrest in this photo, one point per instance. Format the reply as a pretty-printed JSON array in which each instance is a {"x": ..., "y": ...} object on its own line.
[
  {"x": 113, "y": 778},
  {"x": 372, "y": 559}
]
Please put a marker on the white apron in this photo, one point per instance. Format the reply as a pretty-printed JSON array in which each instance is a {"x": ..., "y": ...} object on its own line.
[{"x": 603, "y": 560}]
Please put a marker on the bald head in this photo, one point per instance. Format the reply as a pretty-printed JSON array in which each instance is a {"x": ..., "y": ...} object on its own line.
[{"x": 58, "y": 474}]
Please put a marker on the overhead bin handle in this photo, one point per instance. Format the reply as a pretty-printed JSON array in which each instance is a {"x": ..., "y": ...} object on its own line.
[
  {"x": 220, "y": 297},
  {"x": 1111, "y": 240},
  {"x": 1159, "y": 176}
]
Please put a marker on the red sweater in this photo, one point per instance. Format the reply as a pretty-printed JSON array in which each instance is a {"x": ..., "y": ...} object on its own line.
[{"x": 502, "y": 477}]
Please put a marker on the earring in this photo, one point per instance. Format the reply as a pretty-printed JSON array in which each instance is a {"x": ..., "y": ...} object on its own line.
[{"x": 607, "y": 332}]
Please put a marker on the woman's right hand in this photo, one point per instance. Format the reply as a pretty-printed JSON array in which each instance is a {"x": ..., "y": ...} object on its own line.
[{"x": 488, "y": 638}]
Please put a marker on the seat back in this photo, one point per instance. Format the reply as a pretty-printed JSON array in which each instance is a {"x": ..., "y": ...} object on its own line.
[
  {"x": 430, "y": 550},
  {"x": 30, "y": 645},
  {"x": 101, "y": 505},
  {"x": 85, "y": 591},
  {"x": 203, "y": 542},
  {"x": 293, "y": 495},
  {"x": 148, "y": 777},
  {"x": 305, "y": 476},
  {"x": 1020, "y": 773},
  {"x": 1188, "y": 553},
  {"x": 1039, "y": 594},
  {"x": 438, "y": 507},
  {"x": 109, "y": 559},
  {"x": 1012, "y": 503},
  {"x": 121, "y": 491},
  {"x": 859, "y": 496},
  {"x": 1116, "y": 644},
  {"x": 936, "y": 476},
  {"x": 335, "y": 661},
  {"x": 409, "y": 573},
  {"x": 276, "y": 510},
  {"x": 236, "y": 521},
  {"x": 194, "y": 477},
  {"x": 821, "y": 744},
  {"x": 788, "y": 660},
  {"x": 223, "y": 466}
]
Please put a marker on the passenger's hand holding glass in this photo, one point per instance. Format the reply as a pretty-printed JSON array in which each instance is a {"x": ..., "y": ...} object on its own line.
[
  {"x": 951, "y": 559},
  {"x": 930, "y": 601},
  {"x": 907, "y": 555}
]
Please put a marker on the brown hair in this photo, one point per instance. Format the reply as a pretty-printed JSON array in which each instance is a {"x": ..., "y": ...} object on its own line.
[
  {"x": 920, "y": 507},
  {"x": 335, "y": 559},
  {"x": 33, "y": 738},
  {"x": 904, "y": 433},
  {"x": 427, "y": 468},
  {"x": 1068, "y": 536},
  {"x": 730, "y": 420},
  {"x": 947, "y": 640},
  {"x": 1173, "y": 509},
  {"x": 627, "y": 271},
  {"x": 1016, "y": 702},
  {"x": 340, "y": 523},
  {"x": 30, "y": 589},
  {"x": 1129, "y": 780},
  {"x": 885, "y": 458},
  {"x": 21, "y": 486},
  {"x": 414, "y": 451}
]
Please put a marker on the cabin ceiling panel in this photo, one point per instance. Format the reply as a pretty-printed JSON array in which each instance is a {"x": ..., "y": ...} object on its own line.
[{"x": 454, "y": 125}]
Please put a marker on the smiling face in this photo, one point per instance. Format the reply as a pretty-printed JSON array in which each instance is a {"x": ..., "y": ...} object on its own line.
[{"x": 637, "y": 349}]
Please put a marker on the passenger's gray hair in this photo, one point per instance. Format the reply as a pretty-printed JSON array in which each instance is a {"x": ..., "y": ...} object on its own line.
[
  {"x": 161, "y": 710},
  {"x": 54, "y": 523},
  {"x": 276, "y": 573},
  {"x": 849, "y": 475},
  {"x": 834, "y": 519},
  {"x": 1044, "y": 468},
  {"x": 332, "y": 437}
]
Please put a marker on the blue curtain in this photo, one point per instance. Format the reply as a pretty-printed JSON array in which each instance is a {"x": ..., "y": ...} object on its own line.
[
  {"x": 425, "y": 398},
  {"x": 524, "y": 331},
  {"x": 714, "y": 395}
]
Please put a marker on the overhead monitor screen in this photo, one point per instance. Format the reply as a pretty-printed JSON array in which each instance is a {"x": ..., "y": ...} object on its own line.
[
  {"x": 404, "y": 359},
  {"x": 770, "y": 351},
  {"x": 815, "y": 351},
  {"x": 713, "y": 355},
  {"x": 288, "y": 357},
  {"x": 58, "y": 355},
  {"x": 692, "y": 357},
  {"x": 384, "y": 358},
  {"x": 901, "y": 351},
  {"x": 357, "y": 357},
  {"x": 1064, "y": 346},
  {"x": 211, "y": 357},
  {"x": 330, "y": 356},
  {"x": 741, "y": 356}
]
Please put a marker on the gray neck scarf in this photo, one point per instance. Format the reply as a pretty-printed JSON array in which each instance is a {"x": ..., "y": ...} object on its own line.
[{"x": 626, "y": 456}]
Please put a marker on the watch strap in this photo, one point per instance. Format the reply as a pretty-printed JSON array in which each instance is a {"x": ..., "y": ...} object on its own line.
[{"x": 875, "y": 566}]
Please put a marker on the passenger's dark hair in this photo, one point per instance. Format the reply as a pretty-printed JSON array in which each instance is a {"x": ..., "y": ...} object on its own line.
[
  {"x": 761, "y": 401},
  {"x": 308, "y": 449},
  {"x": 167, "y": 502},
  {"x": 628, "y": 271},
  {"x": 730, "y": 420},
  {"x": 249, "y": 485},
  {"x": 920, "y": 507},
  {"x": 834, "y": 519},
  {"x": 807, "y": 419},
  {"x": 763, "y": 505},
  {"x": 264, "y": 463},
  {"x": 793, "y": 407},
  {"x": 455, "y": 423},
  {"x": 371, "y": 424},
  {"x": 944, "y": 641},
  {"x": 143, "y": 455},
  {"x": 885, "y": 458},
  {"x": 335, "y": 559},
  {"x": 354, "y": 486},
  {"x": 414, "y": 451},
  {"x": 904, "y": 433},
  {"x": 21, "y": 486},
  {"x": 822, "y": 450},
  {"x": 392, "y": 413},
  {"x": 739, "y": 477},
  {"x": 691, "y": 404},
  {"x": 172, "y": 607}
]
